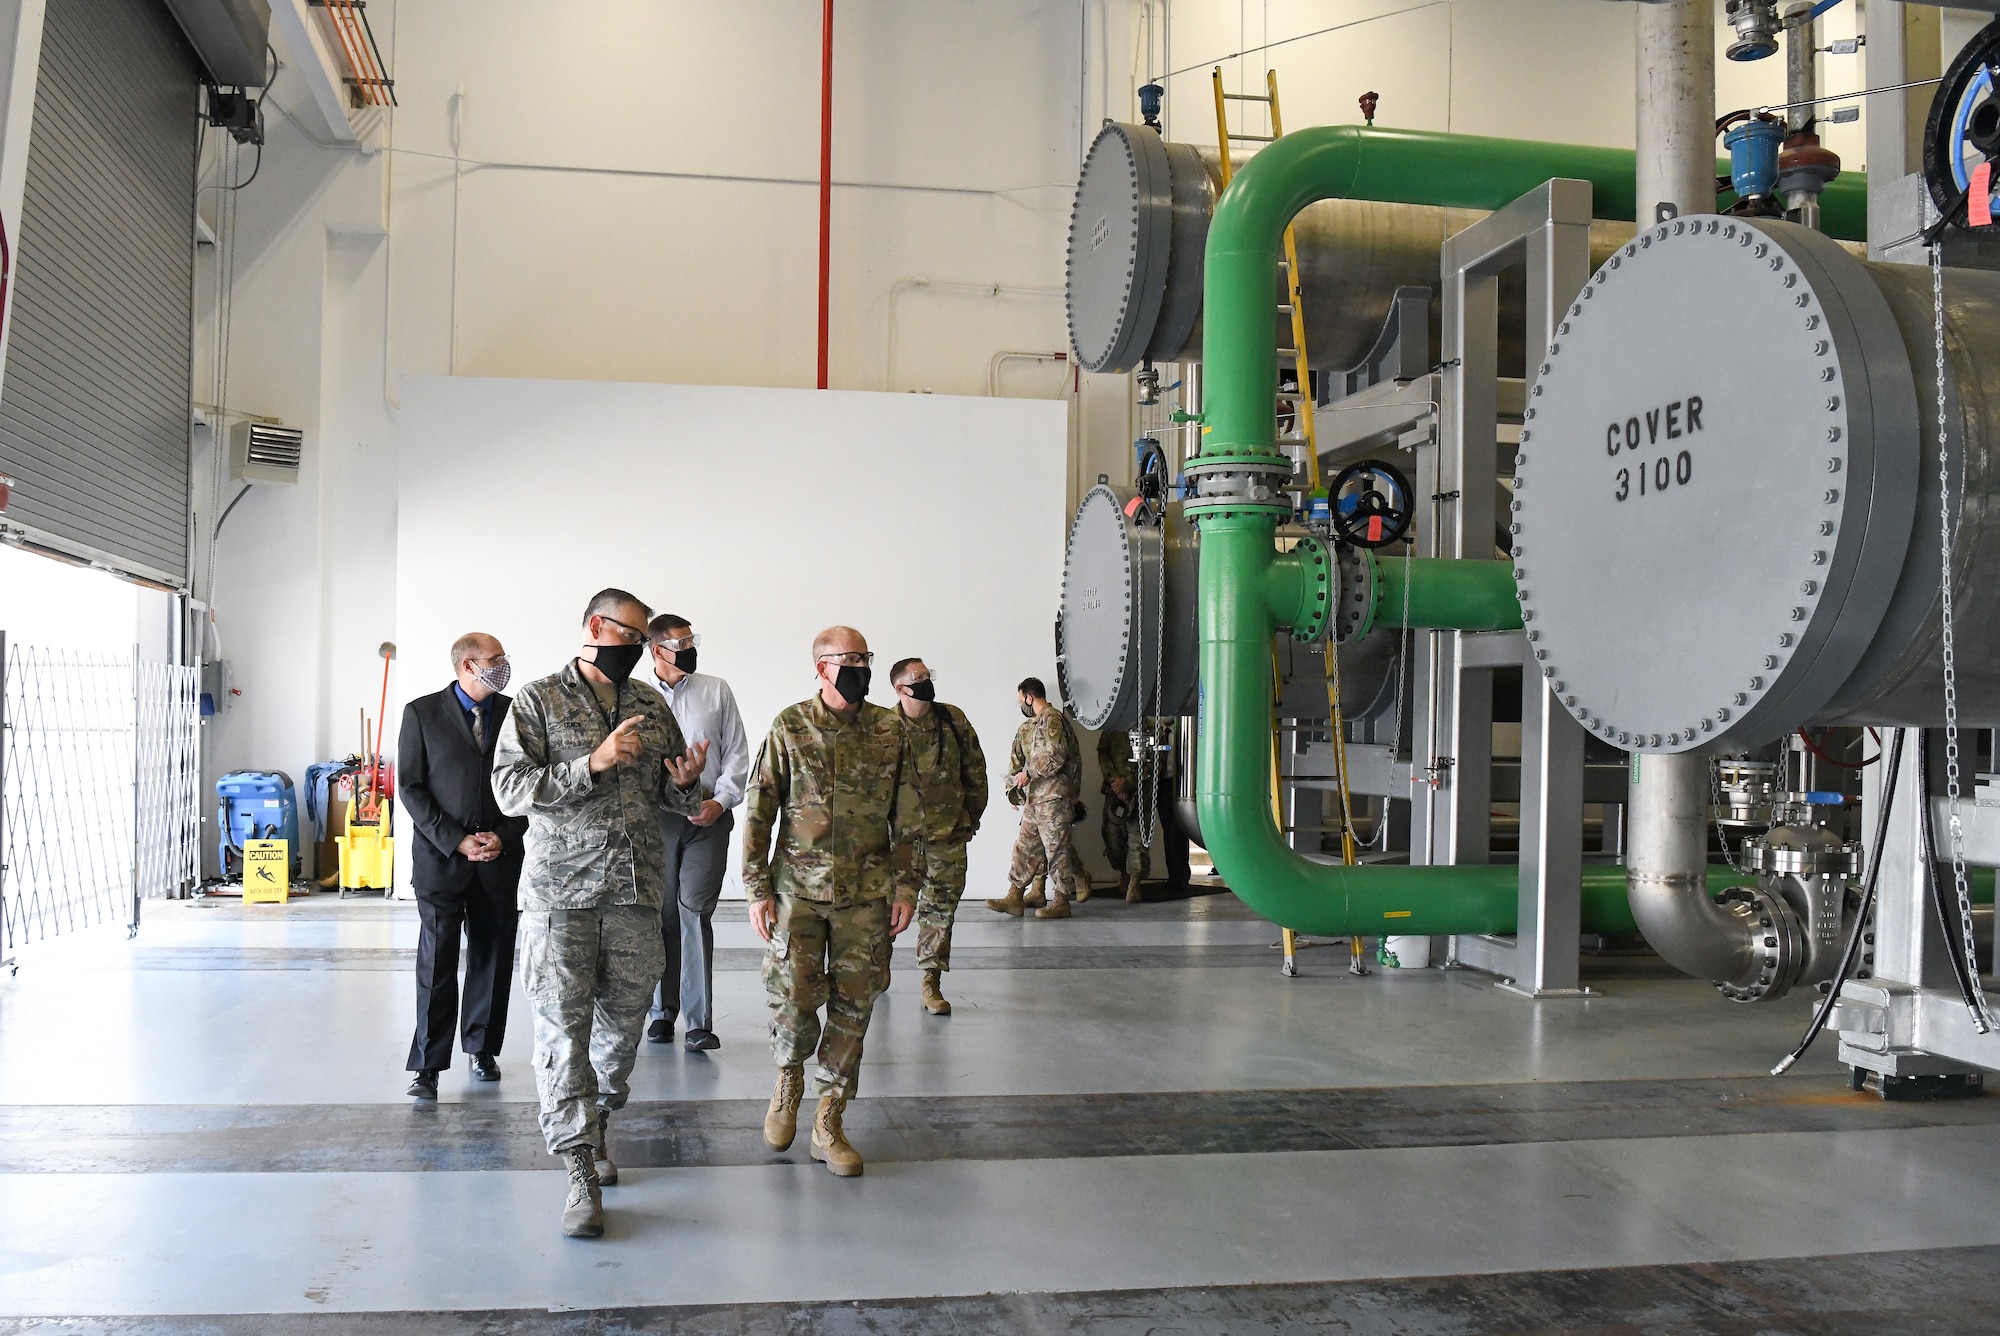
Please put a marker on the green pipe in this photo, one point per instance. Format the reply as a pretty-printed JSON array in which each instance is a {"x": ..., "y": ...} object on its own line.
[
  {"x": 1482, "y": 898},
  {"x": 1248, "y": 589},
  {"x": 1462, "y": 595},
  {"x": 1478, "y": 172}
]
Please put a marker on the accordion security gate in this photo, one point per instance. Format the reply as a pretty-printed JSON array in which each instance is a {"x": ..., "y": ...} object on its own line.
[{"x": 99, "y": 789}]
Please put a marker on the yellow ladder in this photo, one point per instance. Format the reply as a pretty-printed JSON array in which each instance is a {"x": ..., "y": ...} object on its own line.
[{"x": 1297, "y": 304}]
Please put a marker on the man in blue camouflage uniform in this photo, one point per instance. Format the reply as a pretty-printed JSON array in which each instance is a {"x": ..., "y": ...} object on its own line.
[
  {"x": 592, "y": 759},
  {"x": 832, "y": 838}
]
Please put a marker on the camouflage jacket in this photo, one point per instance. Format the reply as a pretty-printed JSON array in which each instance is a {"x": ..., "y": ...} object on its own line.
[
  {"x": 593, "y": 840},
  {"x": 1046, "y": 747},
  {"x": 949, "y": 773},
  {"x": 1114, "y": 757},
  {"x": 832, "y": 813}
]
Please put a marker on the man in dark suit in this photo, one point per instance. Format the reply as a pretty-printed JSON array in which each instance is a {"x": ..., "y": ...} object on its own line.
[{"x": 465, "y": 862}]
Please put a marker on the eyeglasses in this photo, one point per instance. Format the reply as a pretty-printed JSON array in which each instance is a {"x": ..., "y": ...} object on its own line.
[
  {"x": 927, "y": 677},
  {"x": 855, "y": 660},
  {"x": 632, "y": 634},
  {"x": 688, "y": 641},
  {"x": 496, "y": 659}
]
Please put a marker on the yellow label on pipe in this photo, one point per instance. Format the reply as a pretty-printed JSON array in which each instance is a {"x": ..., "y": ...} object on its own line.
[{"x": 1396, "y": 913}]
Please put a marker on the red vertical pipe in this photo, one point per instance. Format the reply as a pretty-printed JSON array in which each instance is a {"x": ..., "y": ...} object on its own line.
[{"x": 825, "y": 180}]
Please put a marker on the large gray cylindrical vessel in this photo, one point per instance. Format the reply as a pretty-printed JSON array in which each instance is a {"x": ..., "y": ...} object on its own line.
[
  {"x": 1139, "y": 228},
  {"x": 1727, "y": 509}
]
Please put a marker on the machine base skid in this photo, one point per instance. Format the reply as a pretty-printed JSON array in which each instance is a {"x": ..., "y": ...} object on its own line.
[{"x": 1900, "y": 1032}]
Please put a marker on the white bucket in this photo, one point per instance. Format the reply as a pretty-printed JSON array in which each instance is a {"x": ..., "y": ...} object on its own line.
[{"x": 1411, "y": 953}]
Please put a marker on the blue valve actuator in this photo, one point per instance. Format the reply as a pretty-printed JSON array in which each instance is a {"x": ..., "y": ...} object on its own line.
[
  {"x": 1821, "y": 798},
  {"x": 1753, "y": 156}
]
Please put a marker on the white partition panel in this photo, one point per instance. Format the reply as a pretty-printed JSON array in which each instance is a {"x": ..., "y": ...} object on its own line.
[{"x": 934, "y": 524}]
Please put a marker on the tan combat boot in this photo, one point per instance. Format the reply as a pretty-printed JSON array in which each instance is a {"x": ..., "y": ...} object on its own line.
[
  {"x": 583, "y": 1209},
  {"x": 829, "y": 1142},
  {"x": 1056, "y": 908},
  {"x": 1034, "y": 899},
  {"x": 601, "y": 1161},
  {"x": 934, "y": 1001},
  {"x": 781, "y": 1120},
  {"x": 1132, "y": 896},
  {"x": 1081, "y": 885},
  {"x": 1009, "y": 904}
]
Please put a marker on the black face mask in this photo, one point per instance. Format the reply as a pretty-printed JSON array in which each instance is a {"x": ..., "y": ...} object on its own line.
[
  {"x": 1027, "y": 709},
  {"x": 923, "y": 690},
  {"x": 683, "y": 659},
  {"x": 852, "y": 683},
  {"x": 616, "y": 661}
]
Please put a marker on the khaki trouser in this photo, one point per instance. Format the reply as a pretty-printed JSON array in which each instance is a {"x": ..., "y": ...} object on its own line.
[
  {"x": 820, "y": 956},
  {"x": 937, "y": 904},
  {"x": 1043, "y": 847}
]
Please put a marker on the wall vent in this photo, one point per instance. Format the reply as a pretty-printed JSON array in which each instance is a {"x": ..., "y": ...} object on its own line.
[{"x": 265, "y": 452}]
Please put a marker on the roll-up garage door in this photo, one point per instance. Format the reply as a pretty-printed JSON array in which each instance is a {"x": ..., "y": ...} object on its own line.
[{"x": 94, "y": 407}]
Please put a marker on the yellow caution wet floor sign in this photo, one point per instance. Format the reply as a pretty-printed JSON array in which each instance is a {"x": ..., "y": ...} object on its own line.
[{"x": 267, "y": 867}]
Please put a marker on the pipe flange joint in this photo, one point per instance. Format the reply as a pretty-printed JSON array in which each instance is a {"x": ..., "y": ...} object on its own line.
[
  {"x": 1359, "y": 597},
  {"x": 1777, "y": 945},
  {"x": 1318, "y": 582},
  {"x": 1248, "y": 484},
  {"x": 1760, "y": 856}
]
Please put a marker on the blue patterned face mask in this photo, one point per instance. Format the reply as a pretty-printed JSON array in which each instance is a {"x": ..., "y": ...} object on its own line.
[{"x": 495, "y": 675}]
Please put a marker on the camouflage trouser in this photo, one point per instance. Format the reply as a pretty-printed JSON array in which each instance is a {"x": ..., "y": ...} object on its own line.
[
  {"x": 944, "y": 884},
  {"x": 1043, "y": 845},
  {"x": 589, "y": 976},
  {"x": 821, "y": 956},
  {"x": 1121, "y": 835}
]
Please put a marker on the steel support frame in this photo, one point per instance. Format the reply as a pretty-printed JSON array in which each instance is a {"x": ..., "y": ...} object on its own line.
[
  {"x": 1546, "y": 231},
  {"x": 1907, "y": 1018}
]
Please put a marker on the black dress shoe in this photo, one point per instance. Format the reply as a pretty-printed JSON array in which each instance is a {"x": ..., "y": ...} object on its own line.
[
  {"x": 484, "y": 1068},
  {"x": 660, "y": 1032},
  {"x": 423, "y": 1086},
  {"x": 702, "y": 1041}
]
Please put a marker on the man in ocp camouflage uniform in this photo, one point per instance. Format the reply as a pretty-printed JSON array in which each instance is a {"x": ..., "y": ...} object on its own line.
[
  {"x": 1045, "y": 773},
  {"x": 950, "y": 772},
  {"x": 1122, "y": 823},
  {"x": 832, "y": 832},
  {"x": 592, "y": 759}
]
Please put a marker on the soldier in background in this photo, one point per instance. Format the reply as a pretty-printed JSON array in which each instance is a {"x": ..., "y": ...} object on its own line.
[
  {"x": 832, "y": 834},
  {"x": 950, "y": 776},
  {"x": 1045, "y": 772},
  {"x": 592, "y": 759},
  {"x": 1122, "y": 822},
  {"x": 1079, "y": 872}
]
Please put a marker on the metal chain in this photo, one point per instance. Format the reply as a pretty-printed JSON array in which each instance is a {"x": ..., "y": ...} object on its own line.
[
  {"x": 1980, "y": 1016},
  {"x": 1715, "y": 814},
  {"x": 1147, "y": 788}
]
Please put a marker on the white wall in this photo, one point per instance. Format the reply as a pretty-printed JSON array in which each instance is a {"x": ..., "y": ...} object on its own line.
[{"x": 749, "y": 512}]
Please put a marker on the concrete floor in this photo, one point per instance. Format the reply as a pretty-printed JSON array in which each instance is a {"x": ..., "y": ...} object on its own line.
[{"x": 206, "y": 1124}]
